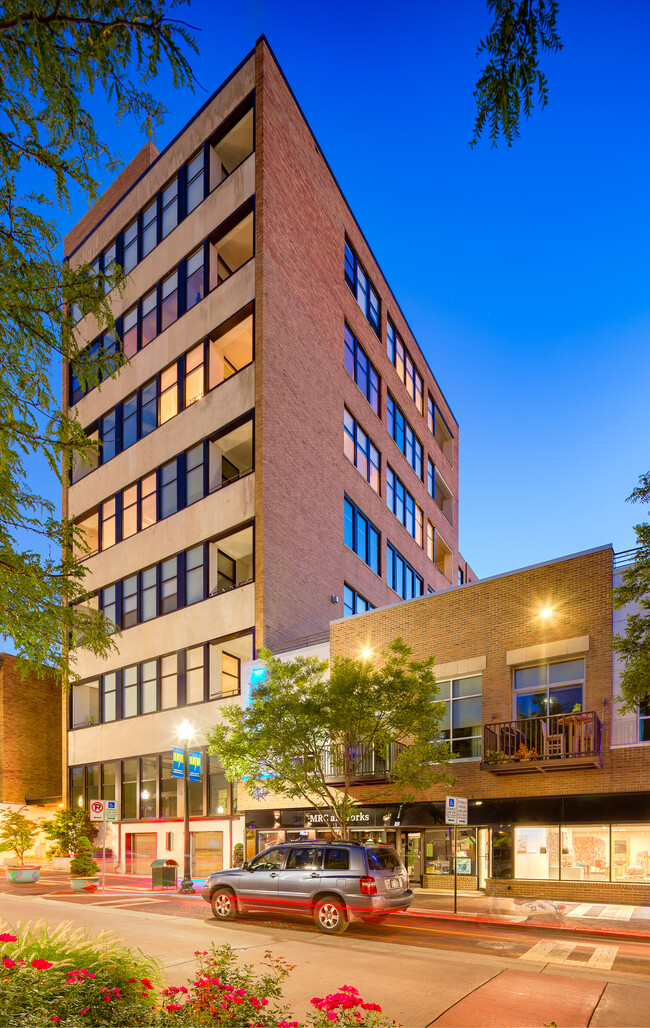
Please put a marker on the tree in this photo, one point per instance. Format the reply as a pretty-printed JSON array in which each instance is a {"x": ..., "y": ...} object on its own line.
[
  {"x": 506, "y": 86},
  {"x": 67, "y": 827},
  {"x": 634, "y": 646},
  {"x": 53, "y": 53},
  {"x": 17, "y": 833},
  {"x": 302, "y": 731}
]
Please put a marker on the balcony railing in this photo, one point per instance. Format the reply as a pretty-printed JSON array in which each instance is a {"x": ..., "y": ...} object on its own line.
[
  {"x": 369, "y": 764},
  {"x": 555, "y": 743}
]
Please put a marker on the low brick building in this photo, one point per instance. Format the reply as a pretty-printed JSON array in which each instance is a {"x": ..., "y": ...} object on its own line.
[
  {"x": 557, "y": 780},
  {"x": 31, "y": 746}
]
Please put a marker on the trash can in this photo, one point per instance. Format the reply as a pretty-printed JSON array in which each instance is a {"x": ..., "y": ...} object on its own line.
[{"x": 163, "y": 873}]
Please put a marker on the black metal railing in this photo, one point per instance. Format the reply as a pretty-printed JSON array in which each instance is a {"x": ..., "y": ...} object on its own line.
[
  {"x": 554, "y": 738},
  {"x": 361, "y": 762}
]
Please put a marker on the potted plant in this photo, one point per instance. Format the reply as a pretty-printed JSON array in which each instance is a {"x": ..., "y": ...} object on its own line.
[
  {"x": 84, "y": 869},
  {"x": 238, "y": 854},
  {"x": 17, "y": 834},
  {"x": 65, "y": 830}
]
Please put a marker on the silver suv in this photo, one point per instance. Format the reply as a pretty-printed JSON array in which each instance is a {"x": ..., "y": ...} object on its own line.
[{"x": 333, "y": 882}]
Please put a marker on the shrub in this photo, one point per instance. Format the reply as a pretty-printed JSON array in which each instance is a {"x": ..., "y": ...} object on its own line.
[
  {"x": 17, "y": 833},
  {"x": 83, "y": 863},
  {"x": 67, "y": 827}
]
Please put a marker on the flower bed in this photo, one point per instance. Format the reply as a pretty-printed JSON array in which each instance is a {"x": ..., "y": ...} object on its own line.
[{"x": 45, "y": 984}]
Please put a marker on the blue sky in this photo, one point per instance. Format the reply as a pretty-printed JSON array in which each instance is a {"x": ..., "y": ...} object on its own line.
[{"x": 523, "y": 272}]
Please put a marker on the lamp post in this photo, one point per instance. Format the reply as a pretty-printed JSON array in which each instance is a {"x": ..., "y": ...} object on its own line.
[{"x": 185, "y": 733}]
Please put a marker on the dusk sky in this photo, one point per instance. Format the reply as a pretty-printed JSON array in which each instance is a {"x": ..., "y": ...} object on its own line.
[{"x": 524, "y": 273}]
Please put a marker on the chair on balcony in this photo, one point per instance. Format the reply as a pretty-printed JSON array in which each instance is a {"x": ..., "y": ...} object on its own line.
[{"x": 554, "y": 742}]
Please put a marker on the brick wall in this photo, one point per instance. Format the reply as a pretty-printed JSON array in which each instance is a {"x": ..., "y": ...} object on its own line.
[
  {"x": 30, "y": 734},
  {"x": 494, "y": 616},
  {"x": 633, "y": 893}
]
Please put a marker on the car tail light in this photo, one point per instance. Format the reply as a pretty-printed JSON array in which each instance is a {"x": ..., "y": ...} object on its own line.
[{"x": 368, "y": 886}]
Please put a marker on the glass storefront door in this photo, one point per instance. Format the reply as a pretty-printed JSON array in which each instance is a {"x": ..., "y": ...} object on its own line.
[{"x": 413, "y": 852}]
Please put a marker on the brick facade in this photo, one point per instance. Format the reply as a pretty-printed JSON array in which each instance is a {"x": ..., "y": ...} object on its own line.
[{"x": 30, "y": 740}]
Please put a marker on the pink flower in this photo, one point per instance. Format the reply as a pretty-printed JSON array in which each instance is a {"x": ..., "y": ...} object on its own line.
[
  {"x": 85, "y": 1010},
  {"x": 41, "y": 965},
  {"x": 8, "y": 963},
  {"x": 55, "y": 1019},
  {"x": 173, "y": 1006},
  {"x": 332, "y": 1017},
  {"x": 6, "y": 937},
  {"x": 371, "y": 1006}
]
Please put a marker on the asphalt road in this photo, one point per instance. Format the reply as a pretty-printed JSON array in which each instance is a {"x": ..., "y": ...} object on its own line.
[{"x": 421, "y": 970}]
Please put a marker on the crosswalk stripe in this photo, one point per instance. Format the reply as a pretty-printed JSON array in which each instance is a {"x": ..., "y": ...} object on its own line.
[
  {"x": 615, "y": 912},
  {"x": 580, "y": 910},
  {"x": 550, "y": 952},
  {"x": 603, "y": 957}
]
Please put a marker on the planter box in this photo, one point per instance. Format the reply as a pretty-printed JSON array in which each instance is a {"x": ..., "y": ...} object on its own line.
[
  {"x": 23, "y": 875},
  {"x": 61, "y": 863},
  {"x": 85, "y": 883}
]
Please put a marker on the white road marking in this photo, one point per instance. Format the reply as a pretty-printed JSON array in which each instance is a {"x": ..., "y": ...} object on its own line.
[
  {"x": 581, "y": 910},
  {"x": 617, "y": 913},
  {"x": 602, "y": 957}
]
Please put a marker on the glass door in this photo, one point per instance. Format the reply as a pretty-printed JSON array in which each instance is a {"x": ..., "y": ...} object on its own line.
[
  {"x": 413, "y": 849},
  {"x": 483, "y": 855}
]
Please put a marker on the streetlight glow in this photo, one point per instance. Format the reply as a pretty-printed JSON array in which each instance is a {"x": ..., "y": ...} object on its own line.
[
  {"x": 546, "y": 613},
  {"x": 366, "y": 654},
  {"x": 185, "y": 731}
]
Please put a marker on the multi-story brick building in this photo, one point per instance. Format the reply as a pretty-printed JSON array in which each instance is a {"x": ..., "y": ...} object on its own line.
[
  {"x": 276, "y": 452},
  {"x": 30, "y": 744}
]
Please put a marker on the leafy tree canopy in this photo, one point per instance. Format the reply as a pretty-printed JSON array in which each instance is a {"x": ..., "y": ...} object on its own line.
[
  {"x": 302, "y": 731},
  {"x": 634, "y": 646},
  {"x": 507, "y": 85},
  {"x": 53, "y": 54}
]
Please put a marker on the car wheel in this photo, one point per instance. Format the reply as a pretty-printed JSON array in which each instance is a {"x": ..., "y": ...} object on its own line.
[
  {"x": 329, "y": 915},
  {"x": 224, "y": 904}
]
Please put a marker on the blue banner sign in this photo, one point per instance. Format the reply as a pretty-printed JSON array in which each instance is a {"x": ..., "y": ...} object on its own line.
[
  {"x": 177, "y": 762},
  {"x": 194, "y": 773}
]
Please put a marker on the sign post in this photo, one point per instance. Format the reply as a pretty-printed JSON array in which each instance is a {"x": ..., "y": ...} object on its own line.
[
  {"x": 455, "y": 814},
  {"x": 98, "y": 813}
]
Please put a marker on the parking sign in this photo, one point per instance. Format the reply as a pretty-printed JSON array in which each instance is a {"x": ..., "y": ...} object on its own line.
[{"x": 97, "y": 810}]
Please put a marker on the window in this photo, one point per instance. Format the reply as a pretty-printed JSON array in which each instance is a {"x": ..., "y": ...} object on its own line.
[
  {"x": 130, "y": 332},
  {"x": 230, "y": 455},
  {"x": 440, "y": 492},
  {"x": 108, "y": 522},
  {"x": 148, "y": 501},
  {"x": 403, "y": 364},
  {"x": 403, "y": 506},
  {"x": 109, "y": 603},
  {"x": 194, "y": 475},
  {"x": 230, "y": 349},
  {"x": 195, "y": 176},
  {"x": 194, "y": 278},
  {"x": 225, "y": 659},
  {"x": 150, "y": 228},
  {"x": 360, "y": 451},
  {"x": 130, "y": 692},
  {"x": 336, "y": 859},
  {"x": 194, "y": 587},
  {"x": 461, "y": 577},
  {"x": 353, "y": 602},
  {"x": 462, "y": 725},
  {"x": 194, "y": 674},
  {"x": 168, "y": 787},
  {"x": 130, "y": 247},
  {"x": 148, "y": 786},
  {"x": 109, "y": 691},
  {"x": 233, "y": 148},
  {"x": 129, "y": 511},
  {"x": 217, "y": 788},
  {"x": 148, "y": 593},
  {"x": 108, "y": 260},
  {"x": 361, "y": 535},
  {"x": 169, "y": 301},
  {"x": 439, "y": 429},
  {"x": 168, "y": 681},
  {"x": 404, "y": 436},
  {"x": 169, "y": 208},
  {"x": 83, "y": 466},
  {"x": 130, "y": 601},
  {"x": 401, "y": 577},
  {"x": 129, "y": 421},
  {"x": 168, "y": 403},
  {"x": 361, "y": 370},
  {"x": 148, "y": 408},
  {"x": 169, "y": 488},
  {"x": 109, "y": 438},
  {"x": 362, "y": 288},
  {"x": 430, "y": 541},
  {"x": 85, "y": 703},
  {"x": 88, "y": 530},
  {"x": 149, "y": 318},
  {"x": 549, "y": 688},
  {"x": 230, "y": 251},
  {"x": 443, "y": 558},
  {"x": 194, "y": 375},
  {"x": 148, "y": 687},
  {"x": 231, "y": 561},
  {"x": 169, "y": 585}
]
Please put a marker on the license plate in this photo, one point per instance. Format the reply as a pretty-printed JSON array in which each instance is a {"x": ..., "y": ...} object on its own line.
[{"x": 394, "y": 883}]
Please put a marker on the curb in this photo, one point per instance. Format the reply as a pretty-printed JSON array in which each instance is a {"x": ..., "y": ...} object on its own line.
[{"x": 620, "y": 933}]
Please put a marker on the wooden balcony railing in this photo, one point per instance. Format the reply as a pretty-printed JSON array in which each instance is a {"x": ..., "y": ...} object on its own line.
[
  {"x": 554, "y": 743},
  {"x": 367, "y": 763}
]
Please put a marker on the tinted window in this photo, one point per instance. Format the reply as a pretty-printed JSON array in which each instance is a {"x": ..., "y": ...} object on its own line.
[
  {"x": 383, "y": 859},
  {"x": 337, "y": 859},
  {"x": 304, "y": 859},
  {"x": 269, "y": 861}
]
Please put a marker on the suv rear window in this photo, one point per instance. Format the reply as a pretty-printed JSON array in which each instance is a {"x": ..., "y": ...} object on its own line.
[
  {"x": 336, "y": 859},
  {"x": 383, "y": 859}
]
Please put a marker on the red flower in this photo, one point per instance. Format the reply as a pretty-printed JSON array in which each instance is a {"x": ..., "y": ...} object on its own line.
[
  {"x": 41, "y": 965},
  {"x": 6, "y": 937},
  {"x": 147, "y": 984},
  {"x": 173, "y": 1006},
  {"x": 8, "y": 963}
]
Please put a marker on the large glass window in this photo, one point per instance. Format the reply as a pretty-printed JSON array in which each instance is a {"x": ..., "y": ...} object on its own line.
[
  {"x": 362, "y": 287},
  {"x": 403, "y": 506},
  {"x": 168, "y": 788},
  {"x": 400, "y": 576},
  {"x": 109, "y": 603},
  {"x": 404, "y": 436},
  {"x": 169, "y": 585},
  {"x": 109, "y": 436},
  {"x": 148, "y": 593},
  {"x": 585, "y": 853},
  {"x": 130, "y": 332},
  {"x": 168, "y": 394},
  {"x": 463, "y": 720},
  {"x": 129, "y": 421},
  {"x": 148, "y": 407},
  {"x": 195, "y": 189},
  {"x": 194, "y": 574},
  {"x": 168, "y": 681},
  {"x": 194, "y": 278},
  {"x": 129, "y": 809},
  {"x": 169, "y": 488},
  {"x": 169, "y": 208},
  {"x": 194, "y": 375},
  {"x": 130, "y": 601},
  {"x": 630, "y": 853},
  {"x": 194, "y": 475},
  {"x": 169, "y": 304},
  {"x": 110, "y": 693},
  {"x": 148, "y": 786},
  {"x": 129, "y": 511},
  {"x": 547, "y": 689},
  {"x": 194, "y": 674},
  {"x": 217, "y": 788},
  {"x": 149, "y": 317},
  {"x": 403, "y": 364},
  {"x": 354, "y": 602},
  {"x": 360, "y": 450},
  {"x": 537, "y": 853},
  {"x": 130, "y": 246},
  {"x": 150, "y": 228},
  {"x": 148, "y": 501},
  {"x": 361, "y": 370},
  {"x": 85, "y": 703},
  {"x": 130, "y": 692},
  {"x": 361, "y": 535}
]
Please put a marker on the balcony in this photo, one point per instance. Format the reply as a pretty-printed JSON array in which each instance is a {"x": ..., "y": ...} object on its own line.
[
  {"x": 559, "y": 742},
  {"x": 370, "y": 765}
]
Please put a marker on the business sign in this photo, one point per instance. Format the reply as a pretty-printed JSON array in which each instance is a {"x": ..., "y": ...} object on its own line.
[
  {"x": 361, "y": 817},
  {"x": 97, "y": 810},
  {"x": 112, "y": 810},
  {"x": 194, "y": 764},
  {"x": 194, "y": 771},
  {"x": 455, "y": 810}
]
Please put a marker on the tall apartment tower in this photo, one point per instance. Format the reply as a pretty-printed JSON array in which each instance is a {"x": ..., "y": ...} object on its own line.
[{"x": 276, "y": 453}]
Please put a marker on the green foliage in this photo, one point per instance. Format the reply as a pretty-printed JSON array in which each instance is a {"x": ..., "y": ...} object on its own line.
[
  {"x": 83, "y": 864},
  {"x": 299, "y": 724},
  {"x": 634, "y": 646},
  {"x": 506, "y": 86},
  {"x": 67, "y": 827},
  {"x": 17, "y": 833},
  {"x": 53, "y": 54}
]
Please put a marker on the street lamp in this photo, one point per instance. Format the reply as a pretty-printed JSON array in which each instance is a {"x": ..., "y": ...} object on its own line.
[{"x": 185, "y": 733}]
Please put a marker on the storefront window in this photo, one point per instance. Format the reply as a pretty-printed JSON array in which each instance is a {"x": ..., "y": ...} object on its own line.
[
  {"x": 437, "y": 851},
  {"x": 502, "y": 853},
  {"x": 585, "y": 853},
  {"x": 129, "y": 789},
  {"x": 630, "y": 853},
  {"x": 148, "y": 783},
  {"x": 217, "y": 788},
  {"x": 266, "y": 839},
  {"x": 537, "y": 853},
  {"x": 76, "y": 787},
  {"x": 168, "y": 788}
]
